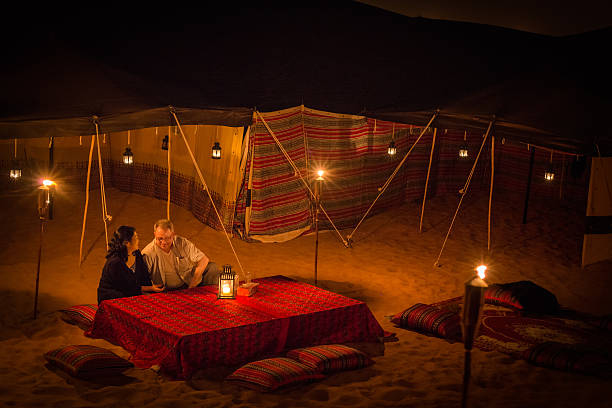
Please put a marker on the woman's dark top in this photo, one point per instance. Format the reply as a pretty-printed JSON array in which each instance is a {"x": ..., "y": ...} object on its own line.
[{"x": 119, "y": 281}]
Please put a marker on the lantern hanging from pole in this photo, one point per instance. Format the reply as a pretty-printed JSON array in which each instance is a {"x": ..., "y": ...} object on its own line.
[
  {"x": 15, "y": 172},
  {"x": 165, "y": 143},
  {"x": 391, "y": 150},
  {"x": 463, "y": 149},
  {"x": 549, "y": 174},
  {"x": 128, "y": 156},
  {"x": 227, "y": 283},
  {"x": 216, "y": 151}
]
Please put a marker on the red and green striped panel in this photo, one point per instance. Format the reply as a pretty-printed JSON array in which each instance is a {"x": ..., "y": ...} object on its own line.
[
  {"x": 272, "y": 373},
  {"x": 331, "y": 358}
]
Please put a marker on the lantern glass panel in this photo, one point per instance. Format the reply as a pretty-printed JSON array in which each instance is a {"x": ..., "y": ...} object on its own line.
[
  {"x": 128, "y": 156},
  {"x": 227, "y": 283},
  {"x": 391, "y": 150},
  {"x": 15, "y": 174}
]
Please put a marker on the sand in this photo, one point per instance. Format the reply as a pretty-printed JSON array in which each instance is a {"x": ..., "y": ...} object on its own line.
[{"x": 390, "y": 267}]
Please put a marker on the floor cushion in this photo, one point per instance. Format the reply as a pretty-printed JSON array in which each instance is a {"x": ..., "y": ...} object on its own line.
[
  {"x": 569, "y": 357},
  {"x": 87, "y": 361},
  {"x": 523, "y": 295},
  {"x": 331, "y": 358},
  {"x": 272, "y": 373},
  {"x": 430, "y": 320},
  {"x": 80, "y": 315}
]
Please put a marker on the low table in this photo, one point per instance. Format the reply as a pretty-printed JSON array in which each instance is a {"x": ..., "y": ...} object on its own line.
[{"x": 185, "y": 330}]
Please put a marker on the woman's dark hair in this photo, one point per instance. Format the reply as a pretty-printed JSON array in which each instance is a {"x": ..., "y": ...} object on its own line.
[{"x": 117, "y": 244}]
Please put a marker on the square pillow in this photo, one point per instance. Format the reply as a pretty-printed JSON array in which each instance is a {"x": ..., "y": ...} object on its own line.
[
  {"x": 272, "y": 373},
  {"x": 430, "y": 320},
  {"x": 331, "y": 358},
  {"x": 87, "y": 361},
  {"x": 523, "y": 295},
  {"x": 81, "y": 315},
  {"x": 568, "y": 357}
]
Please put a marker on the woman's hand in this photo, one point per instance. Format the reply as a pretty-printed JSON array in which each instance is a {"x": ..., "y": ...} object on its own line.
[{"x": 157, "y": 288}]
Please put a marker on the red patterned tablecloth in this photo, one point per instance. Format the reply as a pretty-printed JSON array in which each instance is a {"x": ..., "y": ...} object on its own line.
[{"x": 185, "y": 330}]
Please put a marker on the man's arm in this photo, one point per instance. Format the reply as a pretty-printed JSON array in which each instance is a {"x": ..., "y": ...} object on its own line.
[{"x": 199, "y": 270}]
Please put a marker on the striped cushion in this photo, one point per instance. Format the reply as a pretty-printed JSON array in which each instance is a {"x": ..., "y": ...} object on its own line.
[
  {"x": 497, "y": 295},
  {"x": 81, "y": 315},
  {"x": 568, "y": 357},
  {"x": 430, "y": 320},
  {"x": 331, "y": 358},
  {"x": 272, "y": 373},
  {"x": 87, "y": 361}
]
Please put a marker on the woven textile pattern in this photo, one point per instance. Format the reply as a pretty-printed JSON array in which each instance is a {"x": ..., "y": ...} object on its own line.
[
  {"x": 430, "y": 320},
  {"x": 81, "y": 315},
  {"x": 331, "y": 358},
  {"x": 185, "y": 330},
  {"x": 87, "y": 361},
  {"x": 567, "y": 357},
  {"x": 496, "y": 295},
  {"x": 270, "y": 374}
]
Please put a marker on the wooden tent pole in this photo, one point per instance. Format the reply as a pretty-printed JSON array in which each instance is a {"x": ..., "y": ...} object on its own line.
[
  {"x": 102, "y": 192},
  {"x": 212, "y": 203},
  {"x": 388, "y": 182},
  {"x": 528, "y": 185},
  {"x": 562, "y": 177},
  {"x": 169, "y": 170},
  {"x": 86, "y": 199},
  {"x": 433, "y": 144},
  {"x": 491, "y": 190},
  {"x": 464, "y": 191}
]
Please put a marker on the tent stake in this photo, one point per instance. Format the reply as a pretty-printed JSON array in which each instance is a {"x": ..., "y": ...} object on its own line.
[
  {"x": 86, "y": 199},
  {"x": 42, "y": 230},
  {"x": 491, "y": 190},
  {"x": 528, "y": 185},
  {"x": 464, "y": 191},
  {"x": 433, "y": 144}
]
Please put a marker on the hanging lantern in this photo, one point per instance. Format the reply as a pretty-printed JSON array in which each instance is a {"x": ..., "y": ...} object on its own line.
[
  {"x": 391, "y": 150},
  {"x": 227, "y": 283},
  {"x": 15, "y": 172},
  {"x": 549, "y": 174},
  {"x": 165, "y": 143},
  {"x": 216, "y": 151},
  {"x": 463, "y": 149},
  {"x": 128, "y": 156}
]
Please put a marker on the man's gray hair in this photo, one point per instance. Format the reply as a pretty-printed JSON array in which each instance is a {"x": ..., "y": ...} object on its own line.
[{"x": 163, "y": 224}]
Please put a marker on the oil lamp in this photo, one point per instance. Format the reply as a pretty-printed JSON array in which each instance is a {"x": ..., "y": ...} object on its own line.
[
  {"x": 128, "y": 156},
  {"x": 216, "y": 151},
  {"x": 391, "y": 150}
]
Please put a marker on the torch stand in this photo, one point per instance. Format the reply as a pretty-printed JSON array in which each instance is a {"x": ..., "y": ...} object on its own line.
[
  {"x": 317, "y": 193},
  {"x": 45, "y": 200},
  {"x": 42, "y": 230},
  {"x": 472, "y": 309}
]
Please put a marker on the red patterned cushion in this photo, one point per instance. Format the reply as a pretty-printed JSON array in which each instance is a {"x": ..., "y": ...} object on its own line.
[
  {"x": 81, "y": 315},
  {"x": 568, "y": 357},
  {"x": 272, "y": 373},
  {"x": 430, "y": 320},
  {"x": 331, "y": 358},
  {"x": 497, "y": 295},
  {"x": 87, "y": 361}
]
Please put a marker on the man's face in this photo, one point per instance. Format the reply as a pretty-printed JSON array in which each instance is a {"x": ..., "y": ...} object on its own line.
[{"x": 164, "y": 238}]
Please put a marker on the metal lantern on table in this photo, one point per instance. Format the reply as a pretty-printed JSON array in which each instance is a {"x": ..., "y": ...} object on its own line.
[{"x": 227, "y": 283}]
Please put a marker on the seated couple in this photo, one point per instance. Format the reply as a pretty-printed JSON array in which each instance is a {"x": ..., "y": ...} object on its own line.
[{"x": 169, "y": 262}]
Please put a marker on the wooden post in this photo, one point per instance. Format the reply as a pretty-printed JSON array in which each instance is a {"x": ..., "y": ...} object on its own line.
[
  {"x": 491, "y": 190},
  {"x": 528, "y": 185},
  {"x": 433, "y": 143},
  {"x": 169, "y": 170},
  {"x": 51, "y": 165}
]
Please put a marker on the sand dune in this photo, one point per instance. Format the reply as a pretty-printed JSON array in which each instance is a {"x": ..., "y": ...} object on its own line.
[{"x": 390, "y": 267}]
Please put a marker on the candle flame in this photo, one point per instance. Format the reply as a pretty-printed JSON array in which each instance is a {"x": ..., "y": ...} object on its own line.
[
  {"x": 225, "y": 289},
  {"x": 481, "y": 271}
]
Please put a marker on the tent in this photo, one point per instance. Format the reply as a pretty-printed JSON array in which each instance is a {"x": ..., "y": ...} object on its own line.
[{"x": 342, "y": 68}]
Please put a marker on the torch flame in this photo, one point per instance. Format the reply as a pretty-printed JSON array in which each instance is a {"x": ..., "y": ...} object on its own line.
[
  {"x": 320, "y": 173},
  {"x": 47, "y": 182},
  {"x": 481, "y": 271}
]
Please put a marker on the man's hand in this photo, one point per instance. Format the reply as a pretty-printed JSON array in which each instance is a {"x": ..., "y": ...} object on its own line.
[{"x": 197, "y": 273}]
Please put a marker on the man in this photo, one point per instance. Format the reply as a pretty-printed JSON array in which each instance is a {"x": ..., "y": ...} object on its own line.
[{"x": 175, "y": 263}]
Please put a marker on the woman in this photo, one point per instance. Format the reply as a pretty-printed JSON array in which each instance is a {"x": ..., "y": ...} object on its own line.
[{"x": 125, "y": 272}]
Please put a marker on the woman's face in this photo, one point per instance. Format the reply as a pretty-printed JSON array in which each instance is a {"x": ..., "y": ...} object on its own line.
[{"x": 133, "y": 244}]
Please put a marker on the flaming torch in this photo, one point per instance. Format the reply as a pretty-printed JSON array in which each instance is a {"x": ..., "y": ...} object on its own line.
[
  {"x": 45, "y": 213},
  {"x": 472, "y": 310}
]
